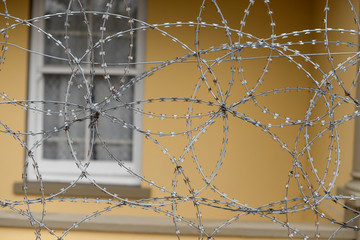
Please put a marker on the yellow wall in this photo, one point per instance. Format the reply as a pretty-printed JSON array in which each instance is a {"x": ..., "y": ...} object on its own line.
[
  {"x": 243, "y": 164},
  {"x": 14, "y": 84},
  {"x": 345, "y": 131},
  {"x": 255, "y": 169}
]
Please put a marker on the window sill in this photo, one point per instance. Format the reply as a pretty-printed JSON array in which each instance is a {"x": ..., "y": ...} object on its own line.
[
  {"x": 157, "y": 225},
  {"x": 83, "y": 189}
]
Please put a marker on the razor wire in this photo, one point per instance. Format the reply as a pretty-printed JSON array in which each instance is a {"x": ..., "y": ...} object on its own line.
[{"x": 327, "y": 88}]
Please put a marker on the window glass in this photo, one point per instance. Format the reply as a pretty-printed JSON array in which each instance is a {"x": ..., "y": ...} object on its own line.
[
  {"x": 83, "y": 36},
  {"x": 111, "y": 138}
]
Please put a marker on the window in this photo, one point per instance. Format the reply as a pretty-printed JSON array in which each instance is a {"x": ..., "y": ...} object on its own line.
[{"x": 78, "y": 90}]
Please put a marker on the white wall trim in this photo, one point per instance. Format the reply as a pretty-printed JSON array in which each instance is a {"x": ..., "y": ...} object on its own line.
[{"x": 160, "y": 225}]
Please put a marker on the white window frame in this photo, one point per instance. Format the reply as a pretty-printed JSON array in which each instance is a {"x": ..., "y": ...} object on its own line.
[{"x": 105, "y": 172}]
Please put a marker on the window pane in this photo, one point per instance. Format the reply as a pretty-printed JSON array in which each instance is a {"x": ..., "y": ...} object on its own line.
[
  {"x": 112, "y": 138},
  {"x": 117, "y": 138},
  {"x": 55, "y": 88},
  {"x": 116, "y": 49}
]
